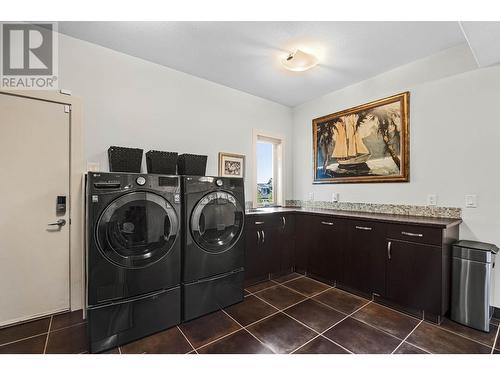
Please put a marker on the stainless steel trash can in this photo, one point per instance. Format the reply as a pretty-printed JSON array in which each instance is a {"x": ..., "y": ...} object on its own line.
[{"x": 471, "y": 283}]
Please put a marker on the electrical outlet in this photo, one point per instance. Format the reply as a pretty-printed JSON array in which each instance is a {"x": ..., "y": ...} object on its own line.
[
  {"x": 432, "y": 200},
  {"x": 471, "y": 201},
  {"x": 335, "y": 197},
  {"x": 310, "y": 196}
]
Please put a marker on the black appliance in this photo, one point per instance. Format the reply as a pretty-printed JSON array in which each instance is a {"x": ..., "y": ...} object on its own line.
[
  {"x": 213, "y": 245},
  {"x": 133, "y": 256}
]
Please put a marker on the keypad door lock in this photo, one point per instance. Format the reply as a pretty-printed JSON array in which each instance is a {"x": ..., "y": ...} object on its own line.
[{"x": 61, "y": 205}]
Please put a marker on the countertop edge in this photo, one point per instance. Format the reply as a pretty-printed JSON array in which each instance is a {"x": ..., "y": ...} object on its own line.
[{"x": 359, "y": 215}]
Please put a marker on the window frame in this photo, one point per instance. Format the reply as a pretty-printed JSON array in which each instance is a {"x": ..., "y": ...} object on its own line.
[{"x": 278, "y": 142}]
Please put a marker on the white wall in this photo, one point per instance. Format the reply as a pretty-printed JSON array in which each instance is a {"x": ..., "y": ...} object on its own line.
[
  {"x": 132, "y": 102},
  {"x": 454, "y": 140}
]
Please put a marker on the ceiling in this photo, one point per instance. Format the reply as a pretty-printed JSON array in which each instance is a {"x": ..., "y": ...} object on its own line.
[{"x": 246, "y": 55}]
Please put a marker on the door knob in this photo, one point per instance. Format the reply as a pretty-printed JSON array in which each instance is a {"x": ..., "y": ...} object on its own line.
[{"x": 60, "y": 223}]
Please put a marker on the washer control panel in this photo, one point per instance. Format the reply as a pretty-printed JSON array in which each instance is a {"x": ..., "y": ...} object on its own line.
[{"x": 140, "y": 181}]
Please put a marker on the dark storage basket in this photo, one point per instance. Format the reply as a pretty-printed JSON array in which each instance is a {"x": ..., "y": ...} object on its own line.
[
  {"x": 161, "y": 162},
  {"x": 124, "y": 159},
  {"x": 190, "y": 164}
]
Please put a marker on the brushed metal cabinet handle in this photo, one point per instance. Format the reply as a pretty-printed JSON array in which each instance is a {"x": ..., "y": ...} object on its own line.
[
  {"x": 258, "y": 236},
  {"x": 363, "y": 228},
  {"x": 412, "y": 234},
  {"x": 284, "y": 221},
  {"x": 326, "y": 223},
  {"x": 263, "y": 237},
  {"x": 259, "y": 222},
  {"x": 389, "y": 255}
]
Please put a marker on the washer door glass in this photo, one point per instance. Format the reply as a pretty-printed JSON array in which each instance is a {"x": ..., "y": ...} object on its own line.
[
  {"x": 217, "y": 222},
  {"x": 137, "y": 229}
]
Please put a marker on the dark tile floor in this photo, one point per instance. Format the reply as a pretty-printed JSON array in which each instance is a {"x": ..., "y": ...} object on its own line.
[{"x": 290, "y": 314}]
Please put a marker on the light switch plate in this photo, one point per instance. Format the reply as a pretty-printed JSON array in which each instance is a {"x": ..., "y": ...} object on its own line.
[
  {"x": 335, "y": 197},
  {"x": 471, "y": 201},
  {"x": 432, "y": 200}
]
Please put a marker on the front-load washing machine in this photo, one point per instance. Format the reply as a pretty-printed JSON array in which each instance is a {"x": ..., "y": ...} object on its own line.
[{"x": 133, "y": 256}]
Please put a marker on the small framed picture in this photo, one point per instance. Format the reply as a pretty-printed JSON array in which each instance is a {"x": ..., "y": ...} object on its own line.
[{"x": 231, "y": 165}]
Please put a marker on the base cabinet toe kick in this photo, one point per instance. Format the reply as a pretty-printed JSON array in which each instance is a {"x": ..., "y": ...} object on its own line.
[{"x": 398, "y": 262}]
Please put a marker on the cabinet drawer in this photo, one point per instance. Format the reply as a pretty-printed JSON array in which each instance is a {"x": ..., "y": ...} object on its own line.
[
  {"x": 269, "y": 220},
  {"x": 413, "y": 233}
]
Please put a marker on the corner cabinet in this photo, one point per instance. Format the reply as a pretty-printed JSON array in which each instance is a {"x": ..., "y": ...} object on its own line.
[
  {"x": 269, "y": 246},
  {"x": 397, "y": 261}
]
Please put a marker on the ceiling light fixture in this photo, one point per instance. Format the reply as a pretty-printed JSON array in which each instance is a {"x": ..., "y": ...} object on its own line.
[{"x": 300, "y": 61}]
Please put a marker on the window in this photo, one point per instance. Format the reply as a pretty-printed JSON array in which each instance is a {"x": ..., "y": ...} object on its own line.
[{"x": 268, "y": 162}]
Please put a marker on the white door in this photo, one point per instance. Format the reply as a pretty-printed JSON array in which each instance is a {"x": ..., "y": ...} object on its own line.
[{"x": 34, "y": 166}]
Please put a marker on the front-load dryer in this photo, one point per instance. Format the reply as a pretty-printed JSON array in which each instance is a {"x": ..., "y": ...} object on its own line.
[
  {"x": 133, "y": 256},
  {"x": 213, "y": 244}
]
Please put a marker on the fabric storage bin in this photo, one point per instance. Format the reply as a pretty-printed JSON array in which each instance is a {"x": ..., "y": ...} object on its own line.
[
  {"x": 161, "y": 162},
  {"x": 190, "y": 164},
  {"x": 124, "y": 159}
]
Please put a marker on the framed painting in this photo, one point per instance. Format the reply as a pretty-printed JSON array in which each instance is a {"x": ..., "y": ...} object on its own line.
[
  {"x": 231, "y": 165},
  {"x": 367, "y": 143}
]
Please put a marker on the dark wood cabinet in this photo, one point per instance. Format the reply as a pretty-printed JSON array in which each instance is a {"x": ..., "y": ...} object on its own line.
[
  {"x": 305, "y": 241},
  {"x": 325, "y": 257},
  {"x": 286, "y": 243},
  {"x": 257, "y": 259},
  {"x": 364, "y": 257},
  {"x": 414, "y": 275},
  {"x": 269, "y": 246},
  {"x": 404, "y": 264}
]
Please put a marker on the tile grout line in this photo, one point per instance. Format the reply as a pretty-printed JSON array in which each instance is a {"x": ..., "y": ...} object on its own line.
[
  {"x": 71, "y": 326},
  {"x": 496, "y": 340},
  {"x": 305, "y": 295},
  {"x": 24, "y": 338},
  {"x": 398, "y": 338},
  {"x": 462, "y": 336},
  {"x": 408, "y": 335},
  {"x": 304, "y": 344},
  {"x": 309, "y": 278},
  {"x": 295, "y": 278},
  {"x": 189, "y": 342},
  {"x": 324, "y": 291},
  {"x": 319, "y": 333},
  {"x": 340, "y": 321},
  {"x": 48, "y": 333},
  {"x": 39, "y": 334},
  {"x": 217, "y": 339},
  {"x": 261, "y": 290},
  {"x": 250, "y": 333}
]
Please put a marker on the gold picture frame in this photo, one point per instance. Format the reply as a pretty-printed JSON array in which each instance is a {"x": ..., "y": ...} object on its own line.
[
  {"x": 366, "y": 143},
  {"x": 231, "y": 165}
]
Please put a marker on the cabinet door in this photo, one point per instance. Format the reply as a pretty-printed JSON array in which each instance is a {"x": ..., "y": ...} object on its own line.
[
  {"x": 325, "y": 258},
  {"x": 414, "y": 275},
  {"x": 305, "y": 240},
  {"x": 286, "y": 243},
  {"x": 271, "y": 247},
  {"x": 256, "y": 262},
  {"x": 365, "y": 257}
]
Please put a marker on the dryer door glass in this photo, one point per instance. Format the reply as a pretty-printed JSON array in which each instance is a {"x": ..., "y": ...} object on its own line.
[
  {"x": 137, "y": 229},
  {"x": 217, "y": 221}
]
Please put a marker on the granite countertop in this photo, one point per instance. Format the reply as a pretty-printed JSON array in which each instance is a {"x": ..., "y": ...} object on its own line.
[{"x": 438, "y": 222}]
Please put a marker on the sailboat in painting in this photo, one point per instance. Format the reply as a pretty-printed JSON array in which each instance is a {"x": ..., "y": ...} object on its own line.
[{"x": 349, "y": 149}]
